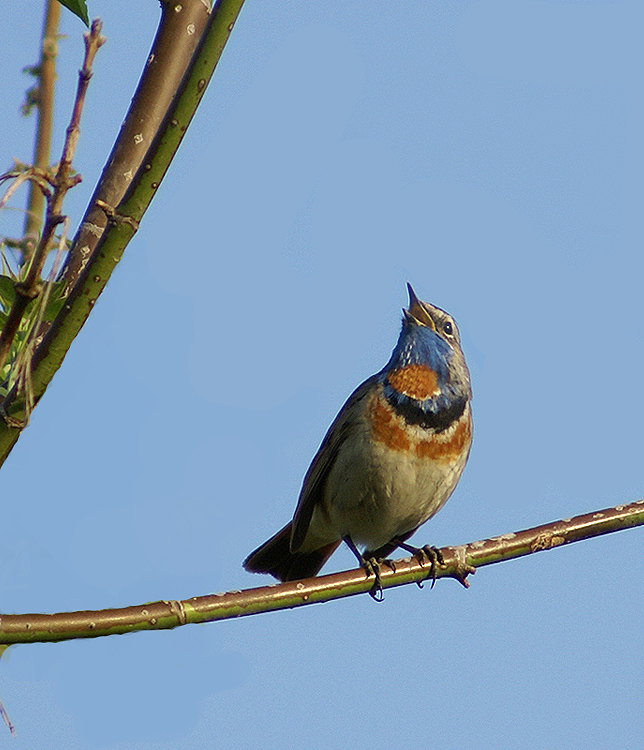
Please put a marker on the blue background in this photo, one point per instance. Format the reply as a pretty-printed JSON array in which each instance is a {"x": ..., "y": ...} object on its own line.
[{"x": 490, "y": 153}]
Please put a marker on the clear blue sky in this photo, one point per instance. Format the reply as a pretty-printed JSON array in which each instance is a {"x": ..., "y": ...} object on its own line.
[{"x": 490, "y": 153}]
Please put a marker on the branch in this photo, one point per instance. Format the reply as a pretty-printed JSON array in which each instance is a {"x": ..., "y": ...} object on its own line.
[
  {"x": 31, "y": 286},
  {"x": 123, "y": 221},
  {"x": 46, "y": 77},
  {"x": 37, "y": 628},
  {"x": 180, "y": 29}
]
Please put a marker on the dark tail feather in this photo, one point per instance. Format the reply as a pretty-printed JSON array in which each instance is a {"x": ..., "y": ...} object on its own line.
[{"x": 275, "y": 557}]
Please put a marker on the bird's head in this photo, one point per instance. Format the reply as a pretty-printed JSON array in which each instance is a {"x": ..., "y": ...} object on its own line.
[{"x": 427, "y": 366}]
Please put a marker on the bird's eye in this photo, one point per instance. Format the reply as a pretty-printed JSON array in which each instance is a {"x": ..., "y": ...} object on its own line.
[{"x": 448, "y": 328}]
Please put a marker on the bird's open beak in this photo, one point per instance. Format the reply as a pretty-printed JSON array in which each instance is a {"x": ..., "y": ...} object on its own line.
[{"x": 418, "y": 310}]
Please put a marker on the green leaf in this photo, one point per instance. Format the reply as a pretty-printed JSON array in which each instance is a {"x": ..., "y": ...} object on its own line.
[
  {"x": 56, "y": 302},
  {"x": 78, "y": 8},
  {"x": 7, "y": 292}
]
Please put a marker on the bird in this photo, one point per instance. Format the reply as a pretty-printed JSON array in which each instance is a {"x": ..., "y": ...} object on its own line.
[{"x": 389, "y": 461}]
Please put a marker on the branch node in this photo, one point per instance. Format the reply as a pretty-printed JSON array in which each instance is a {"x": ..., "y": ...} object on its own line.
[
  {"x": 28, "y": 291},
  {"x": 178, "y": 610},
  {"x": 115, "y": 218},
  {"x": 56, "y": 219}
]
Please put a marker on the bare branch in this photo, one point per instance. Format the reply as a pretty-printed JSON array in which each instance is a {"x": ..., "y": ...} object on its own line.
[
  {"x": 163, "y": 615},
  {"x": 178, "y": 35},
  {"x": 46, "y": 77}
]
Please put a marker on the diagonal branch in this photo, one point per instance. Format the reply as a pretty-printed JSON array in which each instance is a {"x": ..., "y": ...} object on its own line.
[
  {"x": 122, "y": 223},
  {"x": 180, "y": 29},
  {"x": 35, "y": 628}
]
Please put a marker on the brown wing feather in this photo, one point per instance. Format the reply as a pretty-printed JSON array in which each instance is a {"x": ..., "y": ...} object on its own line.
[{"x": 315, "y": 478}]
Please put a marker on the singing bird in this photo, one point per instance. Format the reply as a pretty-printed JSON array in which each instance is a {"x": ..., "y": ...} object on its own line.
[{"x": 389, "y": 461}]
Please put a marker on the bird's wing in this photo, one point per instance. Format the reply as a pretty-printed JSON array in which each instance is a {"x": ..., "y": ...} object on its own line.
[{"x": 315, "y": 478}]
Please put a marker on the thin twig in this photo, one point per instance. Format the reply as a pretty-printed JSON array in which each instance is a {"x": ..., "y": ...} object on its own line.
[
  {"x": 457, "y": 561},
  {"x": 6, "y": 719},
  {"x": 34, "y": 175},
  {"x": 93, "y": 42},
  {"x": 29, "y": 288}
]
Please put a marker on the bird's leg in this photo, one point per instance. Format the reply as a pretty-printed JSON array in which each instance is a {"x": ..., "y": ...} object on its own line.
[{"x": 371, "y": 566}]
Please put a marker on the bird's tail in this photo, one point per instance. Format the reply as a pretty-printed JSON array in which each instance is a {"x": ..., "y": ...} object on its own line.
[{"x": 275, "y": 557}]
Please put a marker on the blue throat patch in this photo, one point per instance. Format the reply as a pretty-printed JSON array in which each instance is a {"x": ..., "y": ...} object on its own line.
[{"x": 419, "y": 345}]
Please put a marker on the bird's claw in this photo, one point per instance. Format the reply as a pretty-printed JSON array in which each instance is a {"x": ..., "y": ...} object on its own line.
[
  {"x": 435, "y": 558},
  {"x": 426, "y": 554},
  {"x": 372, "y": 568}
]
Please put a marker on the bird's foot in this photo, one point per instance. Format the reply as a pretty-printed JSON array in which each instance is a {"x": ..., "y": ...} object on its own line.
[
  {"x": 371, "y": 566},
  {"x": 425, "y": 554}
]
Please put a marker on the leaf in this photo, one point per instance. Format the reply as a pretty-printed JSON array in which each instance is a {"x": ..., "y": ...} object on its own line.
[
  {"x": 56, "y": 302},
  {"x": 78, "y": 8},
  {"x": 7, "y": 292}
]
